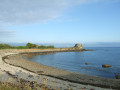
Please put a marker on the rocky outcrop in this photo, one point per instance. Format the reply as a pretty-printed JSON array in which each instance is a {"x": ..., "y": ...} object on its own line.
[{"x": 79, "y": 46}]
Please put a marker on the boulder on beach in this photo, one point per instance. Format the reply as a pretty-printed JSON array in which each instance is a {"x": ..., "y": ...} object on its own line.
[
  {"x": 79, "y": 46},
  {"x": 117, "y": 75}
]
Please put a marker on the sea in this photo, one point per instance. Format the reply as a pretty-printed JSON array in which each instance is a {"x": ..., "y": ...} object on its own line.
[{"x": 76, "y": 61}]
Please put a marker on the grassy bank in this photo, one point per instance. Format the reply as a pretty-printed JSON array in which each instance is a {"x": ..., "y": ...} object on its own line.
[{"x": 28, "y": 46}]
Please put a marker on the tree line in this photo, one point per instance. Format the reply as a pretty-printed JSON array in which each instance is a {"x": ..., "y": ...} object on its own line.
[{"x": 28, "y": 46}]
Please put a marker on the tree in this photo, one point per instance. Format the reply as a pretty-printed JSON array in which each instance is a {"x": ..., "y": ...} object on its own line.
[{"x": 30, "y": 45}]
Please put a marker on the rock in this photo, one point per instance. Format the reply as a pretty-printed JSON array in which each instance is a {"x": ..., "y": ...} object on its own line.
[
  {"x": 106, "y": 66},
  {"x": 79, "y": 46},
  {"x": 117, "y": 76},
  {"x": 86, "y": 63},
  {"x": 30, "y": 76}
]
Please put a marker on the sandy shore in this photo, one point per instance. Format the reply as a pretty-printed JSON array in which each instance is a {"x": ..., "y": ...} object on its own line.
[{"x": 52, "y": 77}]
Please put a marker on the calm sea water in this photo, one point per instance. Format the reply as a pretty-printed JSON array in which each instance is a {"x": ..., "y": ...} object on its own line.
[{"x": 75, "y": 61}]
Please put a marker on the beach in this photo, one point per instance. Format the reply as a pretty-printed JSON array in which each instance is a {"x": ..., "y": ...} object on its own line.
[{"x": 13, "y": 61}]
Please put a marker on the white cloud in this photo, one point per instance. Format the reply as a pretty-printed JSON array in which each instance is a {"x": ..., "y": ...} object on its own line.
[
  {"x": 30, "y": 11},
  {"x": 6, "y": 33},
  {"x": 27, "y": 11}
]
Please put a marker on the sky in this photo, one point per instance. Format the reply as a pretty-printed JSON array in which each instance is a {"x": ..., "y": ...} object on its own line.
[{"x": 60, "y": 21}]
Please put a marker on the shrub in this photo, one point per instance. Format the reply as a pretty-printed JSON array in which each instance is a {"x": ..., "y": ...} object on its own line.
[
  {"x": 50, "y": 46},
  {"x": 5, "y": 46},
  {"x": 42, "y": 47},
  {"x": 21, "y": 47},
  {"x": 45, "y": 47},
  {"x": 30, "y": 45}
]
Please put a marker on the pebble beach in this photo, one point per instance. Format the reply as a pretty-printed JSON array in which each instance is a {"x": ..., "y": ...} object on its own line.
[{"x": 12, "y": 62}]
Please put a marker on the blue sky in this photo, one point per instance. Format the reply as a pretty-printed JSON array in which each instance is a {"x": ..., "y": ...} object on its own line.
[{"x": 60, "y": 21}]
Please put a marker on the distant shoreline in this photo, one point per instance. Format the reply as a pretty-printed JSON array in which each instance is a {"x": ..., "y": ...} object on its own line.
[{"x": 17, "y": 60}]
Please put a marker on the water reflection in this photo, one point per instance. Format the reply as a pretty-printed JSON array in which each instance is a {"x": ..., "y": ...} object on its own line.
[{"x": 75, "y": 61}]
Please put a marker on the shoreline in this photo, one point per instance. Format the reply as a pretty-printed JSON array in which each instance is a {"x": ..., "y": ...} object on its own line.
[{"x": 58, "y": 73}]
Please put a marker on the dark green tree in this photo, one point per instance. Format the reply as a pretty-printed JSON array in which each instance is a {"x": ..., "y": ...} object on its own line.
[{"x": 30, "y": 45}]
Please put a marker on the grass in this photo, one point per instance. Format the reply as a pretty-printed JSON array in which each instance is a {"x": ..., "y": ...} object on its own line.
[{"x": 31, "y": 46}]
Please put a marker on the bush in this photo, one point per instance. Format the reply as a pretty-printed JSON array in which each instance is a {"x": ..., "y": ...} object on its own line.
[
  {"x": 50, "y": 46},
  {"x": 42, "y": 47},
  {"x": 45, "y": 47},
  {"x": 5, "y": 46},
  {"x": 30, "y": 45},
  {"x": 21, "y": 47}
]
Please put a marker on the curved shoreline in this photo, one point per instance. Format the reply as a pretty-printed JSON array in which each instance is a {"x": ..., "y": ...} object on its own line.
[{"x": 58, "y": 73}]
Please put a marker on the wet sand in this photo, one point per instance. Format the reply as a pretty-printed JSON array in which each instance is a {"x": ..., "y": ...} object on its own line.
[{"x": 62, "y": 77}]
